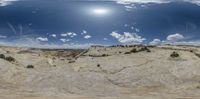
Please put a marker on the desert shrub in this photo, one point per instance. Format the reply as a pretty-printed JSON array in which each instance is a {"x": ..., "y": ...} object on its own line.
[
  {"x": 72, "y": 61},
  {"x": 145, "y": 49},
  {"x": 191, "y": 51},
  {"x": 134, "y": 50},
  {"x": 90, "y": 55},
  {"x": 151, "y": 46},
  {"x": 198, "y": 55},
  {"x": 98, "y": 65},
  {"x": 198, "y": 87},
  {"x": 127, "y": 53},
  {"x": 148, "y": 50},
  {"x": 2, "y": 56},
  {"x": 10, "y": 59},
  {"x": 104, "y": 55},
  {"x": 174, "y": 55},
  {"x": 30, "y": 66}
]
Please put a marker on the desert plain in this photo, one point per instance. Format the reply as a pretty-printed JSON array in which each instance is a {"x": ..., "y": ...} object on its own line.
[{"x": 100, "y": 72}]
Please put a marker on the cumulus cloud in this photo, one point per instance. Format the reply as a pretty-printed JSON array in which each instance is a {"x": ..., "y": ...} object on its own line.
[
  {"x": 64, "y": 34},
  {"x": 116, "y": 35},
  {"x": 70, "y": 34},
  {"x": 6, "y": 2},
  {"x": 128, "y": 38},
  {"x": 42, "y": 39},
  {"x": 64, "y": 40},
  {"x": 175, "y": 37},
  {"x": 195, "y": 43},
  {"x": 84, "y": 32},
  {"x": 155, "y": 42},
  {"x": 53, "y": 35},
  {"x": 87, "y": 36},
  {"x": 137, "y": 30}
]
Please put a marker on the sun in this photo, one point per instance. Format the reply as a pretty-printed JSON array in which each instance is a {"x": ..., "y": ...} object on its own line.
[{"x": 100, "y": 11}]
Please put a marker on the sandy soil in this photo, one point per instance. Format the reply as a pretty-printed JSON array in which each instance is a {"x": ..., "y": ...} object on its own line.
[{"x": 101, "y": 73}]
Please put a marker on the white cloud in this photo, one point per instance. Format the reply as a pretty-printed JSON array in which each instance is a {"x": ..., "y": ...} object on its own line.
[
  {"x": 87, "y": 36},
  {"x": 53, "y": 35},
  {"x": 6, "y": 2},
  {"x": 126, "y": 25},
  {"x": 171, "y": 39},
  {"x": 195, "y": 43},
  {"x": 191, "y": 42},
  {"x": 155, "y": 42},
  {"x": 141, "y": 1},
  {"x": 70, "y": 34},
  {"x": 137, "y": 30},
  {"x": 64, "y": 40},
  {"x": 42, "y": 39},
  {"x": 128, "y": 7},
  {"x": 175, "y": 37},
  {"x": 2, "y": 37},
  {"x": 32, "y": 42},
  {"x": 154, "y": 1},
  {"x": 84, "y": 32},
  {"x": 128, "y": 38},
  {"x": 105, "y": 39},
  {"x": 64, "y": 34},
  {"x": 116, "y": 35}
]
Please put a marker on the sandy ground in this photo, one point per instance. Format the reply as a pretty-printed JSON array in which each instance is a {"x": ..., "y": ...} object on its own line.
[{"x": 101, "y": 73}]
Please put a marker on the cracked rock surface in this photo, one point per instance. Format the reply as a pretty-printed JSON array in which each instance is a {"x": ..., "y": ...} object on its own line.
[{"x": 100, "y": 72}]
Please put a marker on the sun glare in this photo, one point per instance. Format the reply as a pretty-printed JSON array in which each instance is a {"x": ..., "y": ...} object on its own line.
[{"x": 100, "y": 11}]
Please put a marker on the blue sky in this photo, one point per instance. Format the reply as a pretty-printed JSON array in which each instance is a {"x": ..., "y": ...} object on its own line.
[{"x": 84, "y": 22}]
